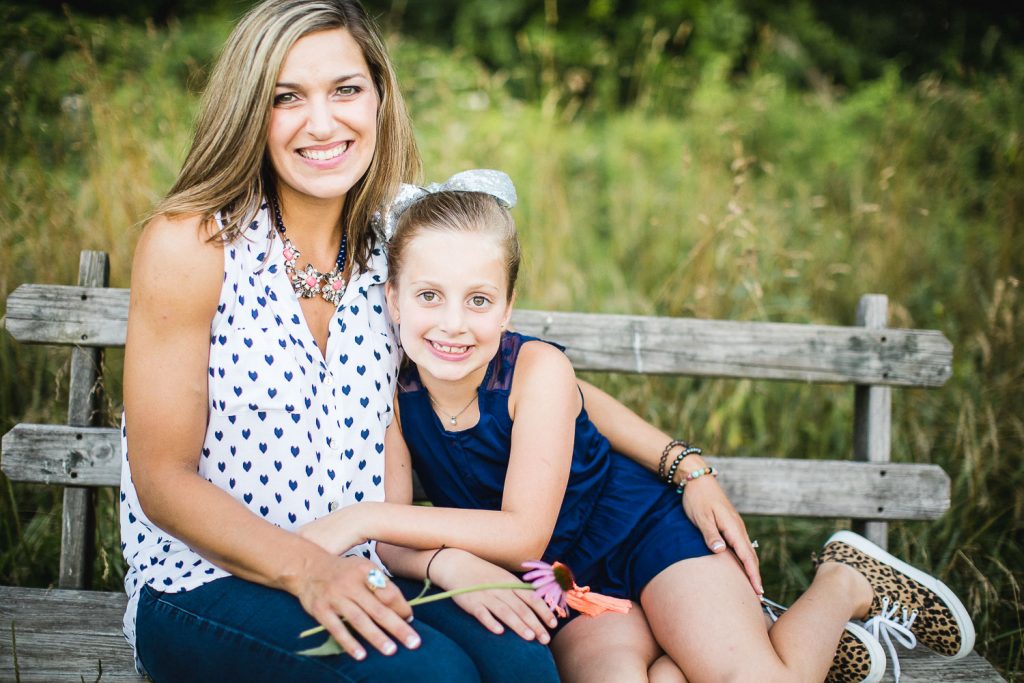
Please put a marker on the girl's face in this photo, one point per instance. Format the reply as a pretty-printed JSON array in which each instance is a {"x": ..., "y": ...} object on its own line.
[
  {"x": 451, "y": 299},
  {"x": 323, "y": 126}
]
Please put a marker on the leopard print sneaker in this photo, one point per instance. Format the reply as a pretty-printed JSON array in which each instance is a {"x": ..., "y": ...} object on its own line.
[
  {"x": 908, "y": 604},
  {"x": 859, "y": 657}
]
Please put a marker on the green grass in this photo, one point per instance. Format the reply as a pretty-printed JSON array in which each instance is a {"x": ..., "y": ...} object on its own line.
[{"x": 738, "y": 198}]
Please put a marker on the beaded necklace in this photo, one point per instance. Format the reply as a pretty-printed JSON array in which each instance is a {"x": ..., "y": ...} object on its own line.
[{"x": 309, "y": 282}]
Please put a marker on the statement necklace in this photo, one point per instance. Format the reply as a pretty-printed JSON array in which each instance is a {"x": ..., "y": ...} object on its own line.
[
  {"x": 452, "y": 419},
  {"x": 309, "y": 282}
]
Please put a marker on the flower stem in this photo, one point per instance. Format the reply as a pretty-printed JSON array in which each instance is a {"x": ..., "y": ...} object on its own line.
[{"x": 422, "y": 600}]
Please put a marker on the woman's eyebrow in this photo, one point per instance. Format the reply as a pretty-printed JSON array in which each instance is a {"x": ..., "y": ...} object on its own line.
[{"x": 339, "y": 79}]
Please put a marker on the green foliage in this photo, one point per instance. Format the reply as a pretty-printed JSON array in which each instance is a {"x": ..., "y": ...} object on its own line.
[{"x": 697, "y": 176}]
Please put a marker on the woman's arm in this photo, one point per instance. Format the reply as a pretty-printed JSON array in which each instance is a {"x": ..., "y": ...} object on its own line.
[
  {"x": 544, "y": 402},
  {"x": 705, "y": 502},
  {"x": 176, "y": 282}
]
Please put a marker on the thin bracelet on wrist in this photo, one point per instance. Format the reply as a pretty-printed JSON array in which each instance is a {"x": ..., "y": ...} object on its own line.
[
  {"x": 664, "y": 455},
  {"x": 437, "y": 552}
]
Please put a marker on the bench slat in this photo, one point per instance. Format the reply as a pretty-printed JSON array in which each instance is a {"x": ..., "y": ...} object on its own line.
[
  {"x": 61, "y": 634},
  {"x": 56, "y": 454},
  {"x": 58, "y": 314}
]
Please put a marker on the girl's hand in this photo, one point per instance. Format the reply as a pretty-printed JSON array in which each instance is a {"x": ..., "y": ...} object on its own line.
[
  {"x": 707, "y": 506},
  {"x": 332, "y": 588},
  {"x": 336, "y": 532},
  {"x": 520, "y": 610}
]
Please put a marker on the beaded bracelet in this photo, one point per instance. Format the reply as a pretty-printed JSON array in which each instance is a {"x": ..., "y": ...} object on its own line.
[
  {"x": 689, "y": 450},
  {"x": 664, "y": 455},
  {"x": 708, "y": 471}
]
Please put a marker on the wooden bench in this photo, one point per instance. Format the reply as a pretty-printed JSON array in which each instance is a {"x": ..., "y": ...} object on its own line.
[{"x": 72, "y": 634}]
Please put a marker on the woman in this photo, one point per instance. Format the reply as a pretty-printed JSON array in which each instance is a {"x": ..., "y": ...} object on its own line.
[
  {"x": 258, "y": 379},
  {"x": 259, "y": 370}
]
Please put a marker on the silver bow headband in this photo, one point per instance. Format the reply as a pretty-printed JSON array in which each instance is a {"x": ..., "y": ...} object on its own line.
[{"x": 494, "y": 183}]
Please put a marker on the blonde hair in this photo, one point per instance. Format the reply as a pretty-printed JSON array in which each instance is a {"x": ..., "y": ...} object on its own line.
[
  {"x": 458, "y": 212},
  {"x": 227, "y": 168}
]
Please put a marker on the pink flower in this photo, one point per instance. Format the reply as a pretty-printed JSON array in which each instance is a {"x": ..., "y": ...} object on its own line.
[{"x": 554, "y": 584}]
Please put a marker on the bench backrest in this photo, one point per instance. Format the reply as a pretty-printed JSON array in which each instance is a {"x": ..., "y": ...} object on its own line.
[{"x": 873, "y": 358}]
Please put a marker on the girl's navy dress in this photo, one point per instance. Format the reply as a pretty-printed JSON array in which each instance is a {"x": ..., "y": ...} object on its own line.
[{"x": 619, "y": 525}]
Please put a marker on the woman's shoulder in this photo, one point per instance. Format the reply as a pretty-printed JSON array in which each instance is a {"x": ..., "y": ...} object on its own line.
[{"x": 176, "y": 259}]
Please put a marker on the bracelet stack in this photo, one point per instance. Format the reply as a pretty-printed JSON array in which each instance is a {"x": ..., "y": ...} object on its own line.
[{"x": 670, "y": 475}]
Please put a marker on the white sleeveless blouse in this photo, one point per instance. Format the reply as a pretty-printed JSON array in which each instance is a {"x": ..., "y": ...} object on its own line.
[{"x": 291, "y": 434}]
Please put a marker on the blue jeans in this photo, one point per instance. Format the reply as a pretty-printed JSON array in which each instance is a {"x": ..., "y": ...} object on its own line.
[{"x": 236, "y": 630}]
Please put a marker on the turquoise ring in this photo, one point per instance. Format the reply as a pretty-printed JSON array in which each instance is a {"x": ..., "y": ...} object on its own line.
[{"x": 376, "y": 579}]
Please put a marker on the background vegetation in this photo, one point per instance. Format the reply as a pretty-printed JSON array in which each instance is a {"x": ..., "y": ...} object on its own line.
[{"x": 735, "y": 159}]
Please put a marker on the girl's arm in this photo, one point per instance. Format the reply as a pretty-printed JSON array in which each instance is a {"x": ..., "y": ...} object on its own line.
[
  {"x": 544, "y": 403},
  {"x": 176, "y": 282},
  {"x": 705, "y": 502}
]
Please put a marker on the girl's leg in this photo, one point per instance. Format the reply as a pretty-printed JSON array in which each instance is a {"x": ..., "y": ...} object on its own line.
[
  {"x": 618, "y": 648},
  {"x": 664, "y": 670},
  {"x": 235, "y": 630},
  {"x": 704, "y": 614}
]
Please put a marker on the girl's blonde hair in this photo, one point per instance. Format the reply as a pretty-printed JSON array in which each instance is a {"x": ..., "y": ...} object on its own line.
[
  {"x": 227, "y": 168},
  {"x": 458, "y": 212}
]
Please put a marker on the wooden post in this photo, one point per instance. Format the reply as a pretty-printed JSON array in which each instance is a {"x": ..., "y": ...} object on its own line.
[
  {"x": 77, "y": 546},
  {"x": 872, "y": 413}
]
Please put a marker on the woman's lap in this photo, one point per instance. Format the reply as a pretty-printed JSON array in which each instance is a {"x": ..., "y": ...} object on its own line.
[{"x": 231, "y": 629}]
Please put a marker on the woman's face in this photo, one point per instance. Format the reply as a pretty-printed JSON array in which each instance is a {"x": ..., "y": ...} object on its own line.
[{"x": 323, "y": 127}]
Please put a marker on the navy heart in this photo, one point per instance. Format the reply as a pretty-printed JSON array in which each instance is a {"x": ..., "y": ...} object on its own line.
[
  {"x": 238, "y": 391},
  {"x": 278, "y": 432},
  {"x": 362, "y": 464},
  {"x": 379, "y": 447},
  {"x": 364, "y": 401},
  {"x": 292, "y": 517},
  {"x": 376, "y": 480},
  {"x": 278, "y": 465},
  {"x": 346, "y": 389},
  {"x": 271, "y": 392},
  {"x": 264, "y": 510},
  {"x": 221, "y": 466},
  {"x": 309, "y": 471},
  {"x": 247, "y": 465},
  {"x": 349, "y": 421},
  {"x": 330, "y": 474},
  {"x": 359, "y": 339},
  {"x": 295, "y": 451},
  {"x": 246, "y": 433},
  {"x": 253, "y": 375},
  {"x": 359, "y": 496},
  {"x": 365, "y": 434},
  {"x": 349, "y": 452},
  {"x": 218, "y": 435},
  {"x": 288, "y": 376},
  {"x": 263, "y": 447},
  {"x": 292, "y": 484},
  {"x": 269, "y": 359},
  {"x": 343, "y": 358},
  {"x": 361, "y": 369},
  {"x": 231, "y": 483},
  {"x": 248, "y": 498},
  {"x": 247, "y": 342},
  {"x": 295, "y": 418},
  {"x": 264, "y": 479}
]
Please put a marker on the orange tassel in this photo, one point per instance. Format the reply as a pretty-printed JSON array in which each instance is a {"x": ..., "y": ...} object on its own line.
[{"x": 592, "y": 604}]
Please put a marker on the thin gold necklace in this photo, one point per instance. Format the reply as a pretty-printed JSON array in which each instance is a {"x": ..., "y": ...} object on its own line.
[{"x": 452, "y": 419}]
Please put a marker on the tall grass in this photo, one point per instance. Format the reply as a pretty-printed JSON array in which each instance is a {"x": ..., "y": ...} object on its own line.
[{"x": 749, "y": 201}]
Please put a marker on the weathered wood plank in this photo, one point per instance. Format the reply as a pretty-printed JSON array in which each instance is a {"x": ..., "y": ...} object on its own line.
[
  {"x": 78, "y": 514},
  {"x": 755, "y": 350},
  {"x": 55, "y": 314},
  {"x": 872, "y": 413},
  {"x": 61, "y": 634},
  {"x": 56, "y": 454}
]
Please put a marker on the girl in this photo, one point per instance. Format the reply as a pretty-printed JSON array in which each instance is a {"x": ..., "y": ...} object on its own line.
[
  {"x": 495, "y": 426},
  {"x": 259, "y": 360}
]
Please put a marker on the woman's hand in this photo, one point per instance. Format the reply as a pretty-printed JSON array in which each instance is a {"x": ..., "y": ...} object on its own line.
[
  {"x": 333, "y": 588},
  {"x": 520, "y": 610},
  {"x": 336, "y": 532},
  {"x": 707, "y": 506}
]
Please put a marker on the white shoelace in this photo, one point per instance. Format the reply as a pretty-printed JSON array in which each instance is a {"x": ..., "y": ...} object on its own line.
[{"x": 892, "y": 623}]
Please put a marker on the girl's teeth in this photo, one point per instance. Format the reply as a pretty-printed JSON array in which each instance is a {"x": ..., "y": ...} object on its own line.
[
  {"x": 324, "y": 154},
  {"x": 448, "y": 349}
]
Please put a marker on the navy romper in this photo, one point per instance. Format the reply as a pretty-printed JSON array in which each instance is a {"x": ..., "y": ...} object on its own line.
[{"x": 619, "y": 525}]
